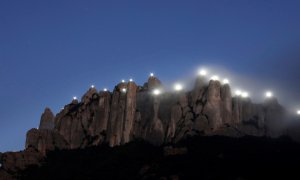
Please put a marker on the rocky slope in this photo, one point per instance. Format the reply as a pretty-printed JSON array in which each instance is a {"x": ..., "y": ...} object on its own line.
[
  {"x": 133, "y": 112},
  {"x": 199, "y": 157}
]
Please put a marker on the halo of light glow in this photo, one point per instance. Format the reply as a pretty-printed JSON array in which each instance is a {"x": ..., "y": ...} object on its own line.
[
  {"x": 178, "y": 87},
  {"x": 225, "y": 81},
  {"x": 123, "y": 81},
  {"x": 269, "y": 94},
  {"x": 245, "y": 94},
  {"x": 130, "y": 80},
  {"x": 298, "y": 112},
  {"x": 92, "y": 86},
  {"x": 124, "y": 90},
  {"x": 238, "y": 92},
  {"x": 156, "y": 92},
  {"x": 74, "y": 98},
  {"x": 215, "y": 78},
  {"x": 151, "y": 74},
  {"x": 202, "y": 72},
  {"x": 105, "y": 89}
]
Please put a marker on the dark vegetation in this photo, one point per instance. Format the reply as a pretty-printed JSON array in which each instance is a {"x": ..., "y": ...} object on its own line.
[{"x": 207, "y": 158}]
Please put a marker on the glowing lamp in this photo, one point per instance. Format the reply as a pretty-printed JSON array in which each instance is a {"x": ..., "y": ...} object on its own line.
[
  {"x": 245, "y": 94},
  {"x": 156, "y": 92},
  {"x": 178, "y": 87},
  {"x": 226, "y": 81},
  {"x": 202, "y": 72},
  {"x": 269, "y": 94},
  {"x": 151, "y": 74},
  {"x": 238, "y": 92},
  {"x": 124, "y": 90},
  {"x": 215, "y": 78},
  {"x": 92, "y": 86},
  {"x": 104, "y": 89},
  {"x": 123, "y": 81},
  {"x": 298, "y": 112},
  {"x": 130, "y": 80},
  {"x": 74, "y": 98}
]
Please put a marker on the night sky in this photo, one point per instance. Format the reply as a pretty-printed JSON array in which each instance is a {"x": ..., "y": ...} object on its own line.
[{"x": 52, "y": 50}]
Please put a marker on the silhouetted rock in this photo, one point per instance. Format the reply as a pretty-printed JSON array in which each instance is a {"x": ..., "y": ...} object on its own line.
[{"x": 13, "y": 162}]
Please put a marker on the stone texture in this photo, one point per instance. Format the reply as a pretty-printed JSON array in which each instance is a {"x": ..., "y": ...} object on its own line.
[
  {"x": 47, "y": 120},
  {"x": 16, "y": 161},
  {"x": 212, "y": 108},
  {"x": 45, "y": 140}
]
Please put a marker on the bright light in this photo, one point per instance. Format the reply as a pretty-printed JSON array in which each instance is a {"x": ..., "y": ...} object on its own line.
[
  {"x": 269, "y": 94},
  {"x": 178, "y": 87},
  {"x": 130, "y": 80},
  {"x": 245, "y": 94},
  {"x": 202, "y": 72},
  {"x": 226, "y": 81},
  {"x": 74, "y": 98},
  {"x": 156, "y": 92},
  {"x": 104, "y": 89},
  {"x": 123, "y": 81},
  {"x": 298, "y": 112},
  {"x": 92, "y": 86},
  {"x": 215, "y": 78},
  {"x": 124, "y": 90},
  {"x": 238, "y": 92},
  {"x": 151, "y": 74}
]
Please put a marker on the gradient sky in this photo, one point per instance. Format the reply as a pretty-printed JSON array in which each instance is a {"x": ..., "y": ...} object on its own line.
[{"x": 52, "y": 50}]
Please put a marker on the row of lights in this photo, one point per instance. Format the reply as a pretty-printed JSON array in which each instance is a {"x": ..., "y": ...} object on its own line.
[
  {"x": 179, "y": 87},
  {"x": 243, "y": 94}
]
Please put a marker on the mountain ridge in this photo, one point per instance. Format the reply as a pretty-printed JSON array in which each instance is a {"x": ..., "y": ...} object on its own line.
[{"x": 147, "y": 112}]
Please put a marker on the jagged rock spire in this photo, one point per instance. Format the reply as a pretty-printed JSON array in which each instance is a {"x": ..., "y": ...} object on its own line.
[{"x": 47, "y": 120}]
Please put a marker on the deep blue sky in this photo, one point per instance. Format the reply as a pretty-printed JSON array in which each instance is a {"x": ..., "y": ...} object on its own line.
[{"x": 53, "y": 50}]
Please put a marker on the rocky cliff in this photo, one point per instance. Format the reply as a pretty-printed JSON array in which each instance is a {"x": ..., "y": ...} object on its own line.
[{"x": 133, "y": 112}]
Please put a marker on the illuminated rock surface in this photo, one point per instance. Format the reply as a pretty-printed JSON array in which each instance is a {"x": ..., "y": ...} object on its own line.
[{"x": 118, "y": 117}]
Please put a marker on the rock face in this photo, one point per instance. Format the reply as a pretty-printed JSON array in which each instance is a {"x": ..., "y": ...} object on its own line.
[
  {"x": 134, "y": 112},
  {"x": 45, "y": 140},
  {"x": 16, "y": 161}
]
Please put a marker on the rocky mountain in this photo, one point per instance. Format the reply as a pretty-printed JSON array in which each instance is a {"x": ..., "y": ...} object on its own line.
[{"x": 133, "y": 112}]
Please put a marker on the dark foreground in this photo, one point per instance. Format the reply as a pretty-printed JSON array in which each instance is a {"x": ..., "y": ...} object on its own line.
[{"x": 206, "y": 158}]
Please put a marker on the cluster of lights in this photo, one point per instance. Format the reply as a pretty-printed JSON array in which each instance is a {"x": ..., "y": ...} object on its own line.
[
  {"x": 203, "y": 72},
  {"x": 179, "y": 87},
  {"x": 243, "y": 94}
]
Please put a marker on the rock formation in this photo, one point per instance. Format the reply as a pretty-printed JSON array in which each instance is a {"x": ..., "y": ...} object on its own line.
[
  {"x": 133, "y": 112},
  {"x": 47, "y": 120}
]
